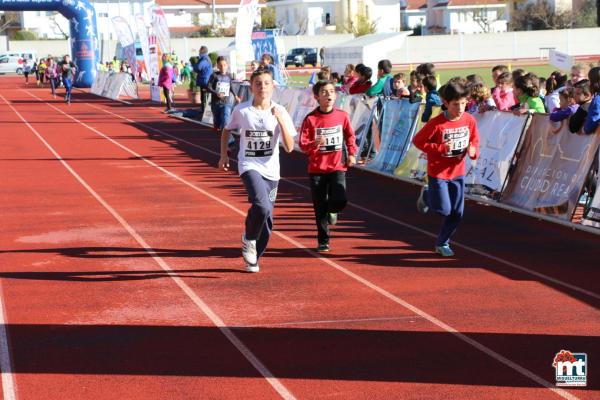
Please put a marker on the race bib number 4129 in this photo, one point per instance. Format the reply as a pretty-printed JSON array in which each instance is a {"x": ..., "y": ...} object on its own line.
[
  {"x": 458, "y": 138},
  {"x": 258, "y": 143},
  {"x": 333, "y": 138}
]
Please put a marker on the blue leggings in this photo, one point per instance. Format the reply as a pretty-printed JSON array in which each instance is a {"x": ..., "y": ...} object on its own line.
[{"x": 447, "y": 198}]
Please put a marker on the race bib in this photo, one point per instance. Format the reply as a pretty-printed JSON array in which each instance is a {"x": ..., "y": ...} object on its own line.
[
  {"x": 258, "y": 143},
  {"x": 333, "y": 138},
  {"x": 223, "y": 88},
  {"x": 458, "y": 139}
]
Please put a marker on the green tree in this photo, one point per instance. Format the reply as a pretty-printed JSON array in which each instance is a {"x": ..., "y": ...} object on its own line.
[
  {"x": 268, "y": 18},
  {"x": 25, "y": 34},
  {"x": 586, "y": 18},
  {"x": 361, "y": 25}
]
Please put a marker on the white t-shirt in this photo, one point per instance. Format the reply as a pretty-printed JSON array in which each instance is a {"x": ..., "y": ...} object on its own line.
[{"x": 259, "y": 138}]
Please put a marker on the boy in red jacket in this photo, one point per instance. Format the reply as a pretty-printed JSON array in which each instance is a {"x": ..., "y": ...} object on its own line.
[
  {"x": 446, "y": 139},
  {"x": 322, "y": 136}
]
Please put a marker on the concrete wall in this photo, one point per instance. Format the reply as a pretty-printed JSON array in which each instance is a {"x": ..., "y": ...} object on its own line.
[
  {"x": 416, "y": 49},
  {"x": 185, "y": 47},
  {"x": 489, "y": 46}
]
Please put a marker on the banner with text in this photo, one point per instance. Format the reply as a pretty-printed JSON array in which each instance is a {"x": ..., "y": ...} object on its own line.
[
  {"x": 551, "y": 169},
  {"x": 397, "y": 129},
  {"x": 499, "y": 134}
]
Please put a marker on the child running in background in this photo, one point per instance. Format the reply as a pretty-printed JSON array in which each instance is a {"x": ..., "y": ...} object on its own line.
[
  {"x": 567, "y": 105},
  {"x": 52, "y": 75},
  {"x": 528, "y": 93},
  {"x": 262, "y": 123},
  {"x": 223, "y": 98},
  {"x": 67, "y": 69},
  {"x": 41, "y": 72},
  {"x": 165, "y": 81},
  {"x": 400, "y": 89},
  {"x": 446, "y": 139},
  {"x": 322, "y": 137},
  {"x": 26, "y": 71},
  {"x": 432, "y": 98}
]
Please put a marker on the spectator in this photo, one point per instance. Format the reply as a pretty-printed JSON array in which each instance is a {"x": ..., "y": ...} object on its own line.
[
  {"x": 554, "y": 85},
  {"x": 578, "y": 73},
  {"x": 350, "y": 77},
  {"x": 399, "y": 84},
  {"x": 503, "y": 95},
  {"x": 593, "y": 115},
  {"x": 364, "y": 81},
  {"x": 416, "y": 87},
  {"x": 432, "y": 98},
  {"x": 567, "y": 106},
  {"x": 583, "y": 97},
  {"x": 383, "y": 86},
  {"x": 528, "y": 92},
  {"x": 480, "y": 99},
  {"x": 203, "y": 69},
  {"x": 496, "y": 72},
  {"x": 427, "y": 69}
]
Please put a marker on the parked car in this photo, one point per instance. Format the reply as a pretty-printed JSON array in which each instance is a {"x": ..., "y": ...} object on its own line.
[
  {"x": 20, "y": 55},
  {"x": 301, "y": 56}
]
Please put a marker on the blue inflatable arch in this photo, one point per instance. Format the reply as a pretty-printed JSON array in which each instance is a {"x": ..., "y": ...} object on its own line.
[{"x": 84, "y": 36}]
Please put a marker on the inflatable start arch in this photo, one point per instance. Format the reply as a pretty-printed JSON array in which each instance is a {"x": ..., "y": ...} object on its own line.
[{"x": 82, "y": 20}]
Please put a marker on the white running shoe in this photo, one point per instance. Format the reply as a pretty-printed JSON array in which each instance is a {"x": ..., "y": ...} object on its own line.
[
  {"x": 249, "y": 251},
  {"x": 421, "y": 205},
  {"x": 252, "y": 268}
]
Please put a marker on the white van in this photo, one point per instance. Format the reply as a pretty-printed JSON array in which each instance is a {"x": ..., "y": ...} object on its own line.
[{"x": 7, "y": 60}]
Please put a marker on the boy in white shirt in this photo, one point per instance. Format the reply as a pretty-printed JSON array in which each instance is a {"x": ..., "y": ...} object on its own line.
[{"x": 261, "y": 123}]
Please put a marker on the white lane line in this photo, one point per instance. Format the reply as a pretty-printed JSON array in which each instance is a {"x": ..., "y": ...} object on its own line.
[
  {"x": 387, "y": 218},
  {"x": 336, "y": 321},
  {"x": 216, "y": 320},
  {"x": 486, "y": 350},
  {"x": 9, "y": 390}
]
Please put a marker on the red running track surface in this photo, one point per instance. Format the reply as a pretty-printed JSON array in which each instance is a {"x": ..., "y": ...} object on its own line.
[{"x": 122, "y": 278}]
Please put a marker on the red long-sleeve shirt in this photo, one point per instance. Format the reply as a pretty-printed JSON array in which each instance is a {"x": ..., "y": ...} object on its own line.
[
  {"x": 359, "y": 87},
  {"x": 336, "y": 128},
  {"x": 460, "y": 133}
]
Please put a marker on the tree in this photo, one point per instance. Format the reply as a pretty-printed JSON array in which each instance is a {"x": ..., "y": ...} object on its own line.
[
  {"x": 481, "y": 17},
  {"x": 7, "y": 19},
  {"x": 360, "y": 26},
  {"x": 540, "y": 15},
  {"x": 267, "y": 18},
  {"x": 57, "y": 26},
  {"x": 586, "y": 17},
  {"x": 25, "y": 34}
]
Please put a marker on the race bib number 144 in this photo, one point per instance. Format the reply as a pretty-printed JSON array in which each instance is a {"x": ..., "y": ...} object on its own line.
[{"x": 258, "y": 143}]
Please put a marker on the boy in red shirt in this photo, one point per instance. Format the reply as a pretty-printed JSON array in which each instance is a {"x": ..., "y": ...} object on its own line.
[
  {"x": 446, "y": 139},
  {"x": 322, "y": 136}
]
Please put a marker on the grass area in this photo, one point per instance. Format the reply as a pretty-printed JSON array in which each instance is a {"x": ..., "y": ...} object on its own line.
[{"x": 446, "y": 74}]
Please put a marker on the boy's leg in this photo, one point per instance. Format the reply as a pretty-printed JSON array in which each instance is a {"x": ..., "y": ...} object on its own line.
[
  {"x": 438, "y": 199},
  {"x": 319, "y": 187},
  {"x": 227, "y": 109},
  {"x": 456, "y": 192},
  {"x": 259, "y": 220},
  {"x": 337, "y": 199}
]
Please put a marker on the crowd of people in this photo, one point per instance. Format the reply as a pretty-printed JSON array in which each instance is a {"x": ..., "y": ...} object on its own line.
[{"x": 56, "y": 72}]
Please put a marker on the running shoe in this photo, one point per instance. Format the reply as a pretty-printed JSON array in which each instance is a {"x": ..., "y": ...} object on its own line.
[
  {"x": 249, "y": 251},
  {"x": 444, "y": 251},
  {"x": 252, "y": 268},
  {"x": 421, "y": 205},
  {"x": 332, "y": 218},
  {"x": 323, "y": 248}
]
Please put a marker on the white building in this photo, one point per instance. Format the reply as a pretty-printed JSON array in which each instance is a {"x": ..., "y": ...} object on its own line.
[
  {"x": 413, "y": 13},
  {"x": 52, "y": 25},
  {"x": 466, "y": 16}
]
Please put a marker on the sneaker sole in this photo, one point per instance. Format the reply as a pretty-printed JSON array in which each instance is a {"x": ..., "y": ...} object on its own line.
[{"x": 252, "y": 269}]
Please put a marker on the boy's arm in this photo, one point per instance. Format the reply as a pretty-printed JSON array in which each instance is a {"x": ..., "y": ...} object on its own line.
[
  {"x": 287, "y": 128},
  {"x": 307, "y": 137},
  {"x": 559, "y": 114},
  {"x": 211, "y": 85},
  {"x": 474, "y": 141},
  {"x": 377, "y": 88},
  {"x": 423, "y": 141}
]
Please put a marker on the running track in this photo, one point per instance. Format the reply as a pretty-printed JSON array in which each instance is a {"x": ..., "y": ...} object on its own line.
[{"x": 121, "y": 277}]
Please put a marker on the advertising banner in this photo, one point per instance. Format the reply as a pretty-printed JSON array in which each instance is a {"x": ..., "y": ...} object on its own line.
[
  {"x": 243, "y": 36},
  {"x": 551, "y": 169},
  {"x": 499, "y": 135},
  {"x": 161, "y": 28},
  {"x": 142, "y": 32},
  {"x": 397, "y": 129},
  {"x": 127, "y": 40}
]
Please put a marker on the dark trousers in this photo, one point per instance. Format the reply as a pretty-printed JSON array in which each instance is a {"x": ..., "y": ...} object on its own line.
[
  {"x": 328, "y": 196},
  {"x": 53, "y": 84},
  {"x": 204, "y": 98},
  {"x": 167, "y": 93},
  {"x": 447, "y": 198},
  {"x": 259, "y": 221}
]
